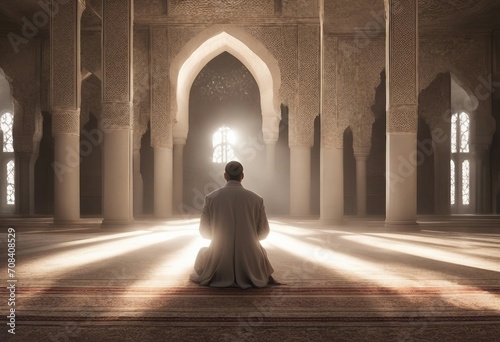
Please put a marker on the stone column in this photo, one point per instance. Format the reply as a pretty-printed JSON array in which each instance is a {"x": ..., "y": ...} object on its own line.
[
  {"x": 270, "y": 129},
  {"x": 300, "y": 181},
  {"x": 332, "y": 184},
  {"x": 65, "y": 103},
  {"x": 481, "y": 168},
  {"x": 25, "y": 163},
  {"x": 362, "y": 135},
  {"x": 332, "y": 139},
  {"x": 161, "y": 123},
  {"x": 117, "y": 109},
  {"x": 442, "y": 157},
  {"x": 270, "y": 158},
  {"x": 302, "y": 112},
  {"x": 140, "y": 128},
  {"x": 138, "y": 184},
  {"x": 163, "y": 182},
  {"x": 178, "y": 174},
  {"x": 402, "y": 113},
  {"x": 361, "y": 156}
]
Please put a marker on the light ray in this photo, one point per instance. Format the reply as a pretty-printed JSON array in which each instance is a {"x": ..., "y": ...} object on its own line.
[{"x": 427, "y": 252}]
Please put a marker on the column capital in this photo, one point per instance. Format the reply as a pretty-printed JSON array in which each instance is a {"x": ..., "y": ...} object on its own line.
[
  {"x": 361, "y": 152},
  {"x": 65, "y": 121},
  {"x": 117, "y": 115},
  {"x": 402, "y": 118}
]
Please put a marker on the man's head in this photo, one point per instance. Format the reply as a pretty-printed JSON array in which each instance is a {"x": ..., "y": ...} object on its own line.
[{"x": 233, "y": 171}]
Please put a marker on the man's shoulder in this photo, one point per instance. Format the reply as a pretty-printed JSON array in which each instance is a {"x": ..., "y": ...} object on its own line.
[{"x": 240, "y": 190}]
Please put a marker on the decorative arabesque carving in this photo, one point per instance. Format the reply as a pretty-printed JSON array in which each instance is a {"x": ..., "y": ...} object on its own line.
[
  {"x": 277, "y": 40},
  {"x": 65, "y": 121},
  {"x": 64, "y": 58},
  {"x": 467, "y": 59},
  {"x": 402, "y": 113},
  {"x": 434, "y": 102},
  {"x": 438, "y": 8},
  {"x": 220, "y": 8},
  {"x": 299, "y": 8},
  {"x": 142, "y": 81},
  {"x": 117, "y": 78},
  {"x": 362, "y": 136},
  {"x": 358, "y": 77},
  {"x": 66, "y": 80},
  {"x": 161, "y": 118},
  {"x": 301, "y": 130},
  {"x": 350, "y": 80},
  {"x": 178, "y": 36},
  {"x": 332, "y": 127}
]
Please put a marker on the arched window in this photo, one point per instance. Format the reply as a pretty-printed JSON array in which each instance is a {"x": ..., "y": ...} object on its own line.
[
  {"x": 223, "y": 141},
  {"x": 8, "y": 172},
  {"x": 460, "y": 195}
]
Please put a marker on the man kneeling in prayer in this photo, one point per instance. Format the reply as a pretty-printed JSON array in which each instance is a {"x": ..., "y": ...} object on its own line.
[{"x": 235, "y": 220}]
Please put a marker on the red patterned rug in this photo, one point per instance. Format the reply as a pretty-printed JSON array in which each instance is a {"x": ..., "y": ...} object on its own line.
[{"x": 289, "y": 313}]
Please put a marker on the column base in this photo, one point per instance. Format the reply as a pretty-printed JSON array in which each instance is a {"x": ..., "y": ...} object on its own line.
[
  {"x": 64, "y": 222},
  {"x": 402, "y": 225}
]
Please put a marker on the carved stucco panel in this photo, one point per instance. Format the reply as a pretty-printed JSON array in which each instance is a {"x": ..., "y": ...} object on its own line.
[
  {"x": 65, "y": 121},
  {"x": 150, "y": 7},
  {"x": 141, "y": 69},
  {"x": 329, "y": 117},
  {"x": 301, "y": 130},
  {"x": 45, "y": 91},
  {"x": 362, "y": 138},
  {"x": 402, "y": 56},
  {"x": 116, "y": 115},
  {"x": 178, "y": 36},
  {"x": 280, "y": 42},
  {"x": 358, "y": 77},
  {"x": 299, "y": 8},
  {"x": 161, "y": 116},
  {"x": 65, "y": 61},
  {"x": 20, "y": 70},
  {"x": 467, "y": 59},
  {"x": 116, "y": 55},
  {"x": 221, "y": 8}
]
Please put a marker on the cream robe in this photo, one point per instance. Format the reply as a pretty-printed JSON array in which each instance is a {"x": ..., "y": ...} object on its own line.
[{"x": 235, "y": 220}]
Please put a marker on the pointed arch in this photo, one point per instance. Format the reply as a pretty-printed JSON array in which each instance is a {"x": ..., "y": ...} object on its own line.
[
  {"x": 256, "y": 58},
  {"x": 7, "y": 157}
]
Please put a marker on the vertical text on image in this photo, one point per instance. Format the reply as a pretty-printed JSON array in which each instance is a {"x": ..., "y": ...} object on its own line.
[{"x": 11, "y": 281}]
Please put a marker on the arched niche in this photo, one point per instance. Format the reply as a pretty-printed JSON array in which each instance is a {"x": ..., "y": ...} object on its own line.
[{"x": 212, "y": 42}]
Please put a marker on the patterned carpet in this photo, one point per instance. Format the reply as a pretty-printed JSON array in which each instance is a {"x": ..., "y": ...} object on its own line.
[{"x": 350, "y": 283}]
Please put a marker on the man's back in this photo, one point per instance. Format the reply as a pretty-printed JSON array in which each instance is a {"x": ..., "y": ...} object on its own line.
[
  {"x": 234, "y": 208},
  {"x": 235, "y": 220}
]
